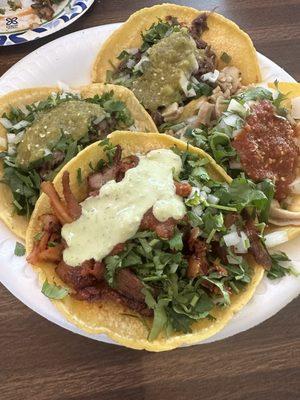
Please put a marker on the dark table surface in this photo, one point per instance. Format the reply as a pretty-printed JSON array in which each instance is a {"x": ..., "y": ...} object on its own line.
[{"x": 41, "y": 361}]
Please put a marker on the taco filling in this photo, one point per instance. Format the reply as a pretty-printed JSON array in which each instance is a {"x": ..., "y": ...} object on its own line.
[
  {"x": 173, "y": 66},
  {"x": 44, "y": 136},
  {"x": 157, "y": 234},
  {"x": 249, "y": 133}
]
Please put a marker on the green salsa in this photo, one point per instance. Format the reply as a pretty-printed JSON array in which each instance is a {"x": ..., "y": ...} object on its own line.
[
  {"x": 170, "y": 60},
  {"x": 69, "y": 118}
]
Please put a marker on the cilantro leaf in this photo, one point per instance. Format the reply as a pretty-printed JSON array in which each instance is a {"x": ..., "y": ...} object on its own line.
[
  {"x": 19, "y": 249},
  {"x": 53, "y": 291}
]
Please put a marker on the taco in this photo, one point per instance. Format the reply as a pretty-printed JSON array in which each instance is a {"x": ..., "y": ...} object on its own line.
[
  {"x": 169, "y": 55},
  {"x": 157, "y": 248},
  {"x": 41, "y": 129},
  {"x": 255, "y": 132}
]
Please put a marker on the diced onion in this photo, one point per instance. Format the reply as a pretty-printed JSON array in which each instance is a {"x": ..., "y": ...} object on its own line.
[
  {"x": 275, "y": 238},
  {"x": 130, "y": 63},
  {"x": 295, "y": 112},
  {"x": 231, "y": 239},
  {"x": 132, "y": 51},
  {"x": 206, "y": 189},
  {"x": 6, "y": 123},
  {"x": 203, "y": 194},
  {"x": 139, "y": 65},
  {"x": 13, "y": 139},
  {"x": 235, "y": 107},
  {"x": 231, "y": 120},
  {"x": 193, "y": 191},
  {"x": 211, "y": 76},
  {"x": 198, "y": 210},
  {"x": 184, "y": 84},
  {"x": 241, "y": 247},
  {"x": 212, "y": 199},
  {"x": 20, "y": 125}
]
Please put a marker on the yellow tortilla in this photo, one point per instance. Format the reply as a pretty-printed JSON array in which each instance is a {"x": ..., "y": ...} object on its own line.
[
  {"x": 223, "y": 35},
  {"x": 109, "y": 317},
  {"x": 17, "y": 223}
]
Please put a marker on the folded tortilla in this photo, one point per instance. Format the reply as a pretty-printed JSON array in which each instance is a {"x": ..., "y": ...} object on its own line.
[
  {"x": 111, "y": 318},
  {"x": 223, "y": 35},
  {"x": 143, "y": 122}
]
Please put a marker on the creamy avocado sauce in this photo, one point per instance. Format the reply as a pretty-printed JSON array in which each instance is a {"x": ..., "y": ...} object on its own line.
[
  {"x": 68, "y": 118},
  {"x": 170, "y": 59},
  {"x": 114, "y": 216}
]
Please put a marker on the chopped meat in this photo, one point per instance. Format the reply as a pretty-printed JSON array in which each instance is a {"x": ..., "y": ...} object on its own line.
[
  {"x": 52, "y": 254},
  {"x": 219, "y": 251},
  {"x": 50, "y": 223},
  {"x": 79, "y": 277},
  {"x": 129, "y": 285},
  {"x": 231, "y": 219},
  {"x": 134, "y": 305},
  {"x": 94, "y": 268},
  {"x": 199, "y": 25},
  {"x": 126, "y": 164},
  {"x": 157, "y": 117},
  {"x": 267, "y": 148},
  {"x": 258, "y": 250},
  {"x": 197, "y": 261},
  {"x": 207, "y": 63},
  {"x": 183, "y": 189},
  {"x": 113, "y": 172},
  {"x": 98, "y": 179},
  {"x": 89, "y": 293},
  {"x": 74, "y": 208},
  {"x": 164, "y": 229},
  {"x": 117, "y": 249}
]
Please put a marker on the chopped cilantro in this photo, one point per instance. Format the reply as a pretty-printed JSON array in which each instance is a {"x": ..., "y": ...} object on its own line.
[
  {"x": 19, "y": 249},
  {"x": 53, "y": 291}
]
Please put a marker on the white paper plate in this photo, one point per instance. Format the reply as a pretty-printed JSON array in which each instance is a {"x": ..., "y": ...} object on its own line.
[{"x": 69, "y": 59}]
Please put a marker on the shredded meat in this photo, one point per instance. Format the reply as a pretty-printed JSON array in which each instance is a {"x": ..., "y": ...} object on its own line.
[
  {"x": 126, "y": 164},
  {"x": 157, "y": 117},
  {"x": 198, "y": 26},
  {"x": 183, "y": 189},
  {"x": 164, "y": 230},
  {"x": 197, "y": 261},
  {"x": 259, "y": 252},
  {"x": 74, "y": 208}
]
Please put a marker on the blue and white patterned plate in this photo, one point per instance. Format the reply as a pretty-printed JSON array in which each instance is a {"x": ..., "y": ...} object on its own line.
[{"x": 12, "y": 30}]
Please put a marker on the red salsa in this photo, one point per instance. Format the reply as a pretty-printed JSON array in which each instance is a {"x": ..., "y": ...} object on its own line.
[{"x": 267, "y": 148}]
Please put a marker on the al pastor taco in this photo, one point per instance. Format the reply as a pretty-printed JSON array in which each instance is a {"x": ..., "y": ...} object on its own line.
[
  {"x": 255, "y": 132},
  {"x": 155, "y": 246},
  {"x": 41, "y": 129},
  {"x": 169, "y": 55}
]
